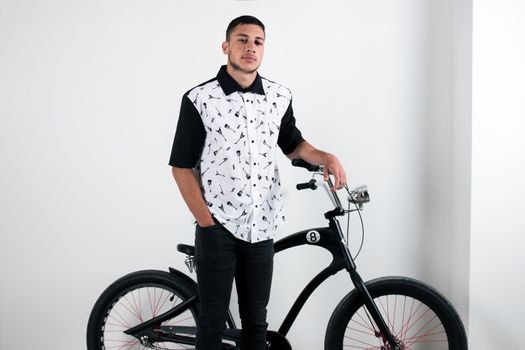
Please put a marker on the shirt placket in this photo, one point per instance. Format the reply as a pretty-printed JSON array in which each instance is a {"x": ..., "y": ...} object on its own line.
[{"x": 253, "y": 145}]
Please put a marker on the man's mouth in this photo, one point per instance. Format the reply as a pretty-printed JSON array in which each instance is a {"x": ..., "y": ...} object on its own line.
[{"x": 249, "y": 58}]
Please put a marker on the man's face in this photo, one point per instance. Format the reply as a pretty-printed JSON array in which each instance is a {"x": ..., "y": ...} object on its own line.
[{"x": 245, "y": 48}]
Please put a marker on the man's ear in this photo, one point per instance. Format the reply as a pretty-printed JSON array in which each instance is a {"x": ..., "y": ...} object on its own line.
[{"x": 225, "y": 47}]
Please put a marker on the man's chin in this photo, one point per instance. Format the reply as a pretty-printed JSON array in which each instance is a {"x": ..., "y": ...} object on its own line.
[{"x": 246, "y": 70}]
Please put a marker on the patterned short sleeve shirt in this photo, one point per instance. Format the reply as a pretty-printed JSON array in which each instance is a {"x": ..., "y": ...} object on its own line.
[{"x": 230, "y": 135}]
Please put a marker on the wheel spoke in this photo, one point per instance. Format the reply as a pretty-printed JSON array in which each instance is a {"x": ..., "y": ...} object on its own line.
[
  {"x": 412, "y": 322},
  {"x": 132, "y": 308},
  {"x": 135, "y": 306}
]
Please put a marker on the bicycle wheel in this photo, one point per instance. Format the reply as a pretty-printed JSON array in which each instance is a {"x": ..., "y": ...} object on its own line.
[
  {"x": 134, "y": 299},
  {"x": 418, "y": 316}
]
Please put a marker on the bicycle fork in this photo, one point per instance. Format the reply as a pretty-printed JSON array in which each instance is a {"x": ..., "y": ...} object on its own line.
[
  {"x": 382, "y": 329},
  {"x": 373, "y": 311}
]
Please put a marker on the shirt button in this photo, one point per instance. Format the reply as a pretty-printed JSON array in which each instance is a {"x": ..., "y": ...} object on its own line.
[
  {"x": 254, "y": 185},
  {"x": 251, "y": 121},
  {"x": 254, "y": 163},
  {"x": 253, "y": 141},
  {"x": 257, "y": 206},
  {"x": 253, "y": 224}
]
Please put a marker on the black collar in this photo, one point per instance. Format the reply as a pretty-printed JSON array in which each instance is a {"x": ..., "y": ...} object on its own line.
[{"x": 229, "y": 85}]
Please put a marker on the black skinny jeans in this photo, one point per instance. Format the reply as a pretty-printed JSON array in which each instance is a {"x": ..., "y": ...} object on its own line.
[{"x": 220, "y": 257}]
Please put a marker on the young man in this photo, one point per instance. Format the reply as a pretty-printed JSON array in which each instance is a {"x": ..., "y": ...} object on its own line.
[{"x": 224, "y": 162}]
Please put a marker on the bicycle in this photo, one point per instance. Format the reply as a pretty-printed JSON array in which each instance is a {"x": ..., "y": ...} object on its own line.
[{"x": 158, "y": 310}]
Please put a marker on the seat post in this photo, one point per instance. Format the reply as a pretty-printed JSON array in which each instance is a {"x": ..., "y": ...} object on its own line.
[{"x": 189, "y": 250}]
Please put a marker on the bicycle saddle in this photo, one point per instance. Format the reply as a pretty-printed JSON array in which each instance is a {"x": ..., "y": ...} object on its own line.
[{"x": 186, "y": 249}]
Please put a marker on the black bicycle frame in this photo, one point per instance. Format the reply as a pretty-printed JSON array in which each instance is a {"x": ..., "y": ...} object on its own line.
[
  {"x": 329, "y": 238},
  {"x": 323, "y": 237}
]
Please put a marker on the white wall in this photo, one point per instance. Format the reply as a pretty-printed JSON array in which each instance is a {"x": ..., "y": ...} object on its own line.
[
  {"x": 498, "y": 169},
  {"x": 89, "y": 100},
  {"x": 459, "y": 195}
]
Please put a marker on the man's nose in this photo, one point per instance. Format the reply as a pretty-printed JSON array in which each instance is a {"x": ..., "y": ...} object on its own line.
[{"x": 250, "y": 47}]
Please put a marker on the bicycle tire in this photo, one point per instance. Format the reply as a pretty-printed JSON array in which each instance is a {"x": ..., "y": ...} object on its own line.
[
  {"x": 417, "y": 315},
  {"x": 133, "y": 299}
]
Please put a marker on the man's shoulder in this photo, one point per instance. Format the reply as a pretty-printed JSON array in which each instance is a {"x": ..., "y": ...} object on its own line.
[
  {"x": 207, "y": 86},
  {"x": 271, "y": 86}
]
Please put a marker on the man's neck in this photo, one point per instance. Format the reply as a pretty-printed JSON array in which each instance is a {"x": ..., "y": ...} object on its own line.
[{"x": 244, "y": 80}]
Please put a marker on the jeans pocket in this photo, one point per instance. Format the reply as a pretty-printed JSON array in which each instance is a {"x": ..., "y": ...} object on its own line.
[
  {"x": 208, "y": 228},
  {"x": 210, "y": 247}
]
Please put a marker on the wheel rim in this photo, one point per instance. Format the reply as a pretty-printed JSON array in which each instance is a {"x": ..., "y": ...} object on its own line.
[
  {"x": 135, "y": 306},
  {"x": 414, "y": 325}
]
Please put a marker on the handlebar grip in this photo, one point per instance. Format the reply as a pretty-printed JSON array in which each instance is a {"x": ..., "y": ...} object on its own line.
[
  {"x": 304, "y": 164},
  {"x": 302, "y": 186},
  {"x": 305, "y": 185}
]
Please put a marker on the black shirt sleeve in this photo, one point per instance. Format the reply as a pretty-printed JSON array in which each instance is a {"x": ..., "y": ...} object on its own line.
[
  {"x": 289, "y": 134},
  {"x": 189, "y": 136}
]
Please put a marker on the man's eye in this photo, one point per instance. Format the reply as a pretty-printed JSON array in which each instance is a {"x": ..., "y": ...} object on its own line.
[
  {"x": 259, "y": 42},
  {"x": 243, "y": 40}
]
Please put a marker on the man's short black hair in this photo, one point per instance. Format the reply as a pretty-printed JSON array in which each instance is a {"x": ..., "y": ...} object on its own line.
[{"x": 246, "y": 19}]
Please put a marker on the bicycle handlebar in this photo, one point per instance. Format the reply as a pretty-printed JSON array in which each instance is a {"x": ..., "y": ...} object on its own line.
[
  {"x": 357, "y": 196},
  {"x": 304, "y": 164},
  {"x": 312, "y": 184}
]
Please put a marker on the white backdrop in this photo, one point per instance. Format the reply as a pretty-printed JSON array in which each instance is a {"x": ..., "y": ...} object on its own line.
[
  {"x": 89, "y": 98},
  {"x": 497, "y": 285}
]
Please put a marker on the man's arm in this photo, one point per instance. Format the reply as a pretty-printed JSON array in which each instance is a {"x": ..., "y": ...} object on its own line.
[
  {"x": 190, "y": 189},
  {"x": 295, "y": 147},
  {"x": 185, "y": 152},
  {"x": 330, "y": 162}
]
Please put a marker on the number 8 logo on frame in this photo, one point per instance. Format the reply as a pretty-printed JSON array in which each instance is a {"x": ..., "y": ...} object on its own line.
[{"x": 313, "y": 237}]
